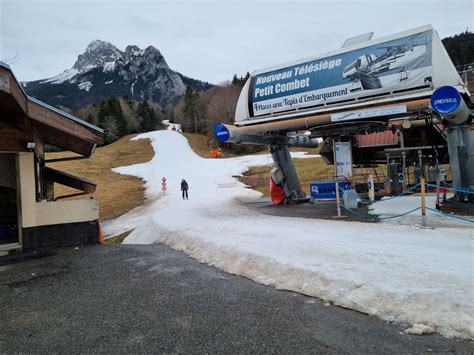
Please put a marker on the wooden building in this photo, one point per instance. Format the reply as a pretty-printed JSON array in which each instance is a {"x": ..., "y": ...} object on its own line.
[{"x": 30, "y": 215}]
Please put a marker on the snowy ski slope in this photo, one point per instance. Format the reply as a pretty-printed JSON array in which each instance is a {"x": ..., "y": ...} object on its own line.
[{"x": 394, "y": 270}]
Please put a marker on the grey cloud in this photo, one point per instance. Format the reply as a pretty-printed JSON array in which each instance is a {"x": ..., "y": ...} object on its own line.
[{"x": 208, "y": 40}]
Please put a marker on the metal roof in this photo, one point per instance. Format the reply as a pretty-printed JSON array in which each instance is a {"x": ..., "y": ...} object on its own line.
[
  {"x": 378, "y": 139},
  {"x": 65, "y": 114}
]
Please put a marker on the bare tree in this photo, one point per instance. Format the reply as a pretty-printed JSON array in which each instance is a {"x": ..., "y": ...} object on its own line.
[
  {"x": 111, "y": 129},
  {"x": 11, "y": 59}
]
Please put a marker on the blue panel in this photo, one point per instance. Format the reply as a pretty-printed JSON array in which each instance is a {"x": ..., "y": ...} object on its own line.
[
  {"x": 398, "y": 64},
  {"x": 328, "y": 189}
]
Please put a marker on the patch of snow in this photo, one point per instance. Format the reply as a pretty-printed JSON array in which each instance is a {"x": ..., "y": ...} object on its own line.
[
  {"x": 109, "y": 82},
  {"x": 400, "y": 273},
  {"x": 61, "y": 78},
  {"x": 392, "y": 207},
  {"x": 88, "y": 67},
  {"x": 86, "y": 85},
  {"x": 419, "y": 329},
  {"x": 138, "y": 52},
  {"x": 133, "y": 85},
  {"x": 109, "y": 66}
]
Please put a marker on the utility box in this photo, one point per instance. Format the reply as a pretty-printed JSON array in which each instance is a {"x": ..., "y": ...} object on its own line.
[
  {"x": 350, "y": 199},
  {"x": 395, "y": 174}
]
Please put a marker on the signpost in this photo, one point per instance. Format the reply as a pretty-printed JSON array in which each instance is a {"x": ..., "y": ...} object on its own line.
[
  {"x": 163, "y": 185},
  {"x": 343, "y": 158},
  {"x": 423, "y": 202},
  {"x": 343, "y": 167}
]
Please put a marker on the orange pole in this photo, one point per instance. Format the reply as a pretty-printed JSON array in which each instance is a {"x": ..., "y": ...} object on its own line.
[{"x": 101, "y": 235}]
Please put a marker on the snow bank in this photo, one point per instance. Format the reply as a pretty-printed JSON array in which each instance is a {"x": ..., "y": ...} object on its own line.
[
  {"x": 401, "y": 273},
  {"x": 419, "y": 329}
]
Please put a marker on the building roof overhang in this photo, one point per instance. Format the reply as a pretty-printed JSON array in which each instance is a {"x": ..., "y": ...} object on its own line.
[{"x": 54, "y": 126}]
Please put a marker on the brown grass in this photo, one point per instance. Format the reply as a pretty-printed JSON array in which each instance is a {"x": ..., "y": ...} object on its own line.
[
  {"x": 116, "y": 193},
  {"x": 199, "y": 144},
  {"x": 119, "y": 238},
  {"x": 308, "y": 169}
]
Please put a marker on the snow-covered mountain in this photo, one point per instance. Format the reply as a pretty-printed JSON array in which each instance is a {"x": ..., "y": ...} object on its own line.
[{"x": 103, "y": 70}]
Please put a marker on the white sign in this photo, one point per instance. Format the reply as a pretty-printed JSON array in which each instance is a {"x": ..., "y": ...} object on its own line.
[
  {"x": 343, "y": 155},
  {"x": 355, "y": 115}
]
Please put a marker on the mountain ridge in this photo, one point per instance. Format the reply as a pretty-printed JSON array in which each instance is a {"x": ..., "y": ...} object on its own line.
[{"x": 103, "y": 70}]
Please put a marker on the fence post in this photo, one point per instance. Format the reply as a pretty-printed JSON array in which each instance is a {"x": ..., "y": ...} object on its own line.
[
  {"x": 423, "y": 202},
  {"x": 337, "y": 198},
  {"x": 438, "y": 183},
  {"x": 371, "y": 188}
]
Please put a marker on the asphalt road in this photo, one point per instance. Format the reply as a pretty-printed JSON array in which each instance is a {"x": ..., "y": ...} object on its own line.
[{"x": 150, "y": 298}]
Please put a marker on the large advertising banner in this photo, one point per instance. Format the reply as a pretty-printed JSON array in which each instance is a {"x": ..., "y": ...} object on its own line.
[{"x": 398, "y": 64}]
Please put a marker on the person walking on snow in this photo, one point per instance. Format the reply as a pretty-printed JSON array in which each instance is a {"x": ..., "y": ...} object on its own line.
[{"x": 184, "y": 189}]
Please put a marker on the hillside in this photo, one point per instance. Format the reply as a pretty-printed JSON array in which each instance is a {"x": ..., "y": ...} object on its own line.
[
  {"x": 460, "y": 48},
  {"x": 126, "y": 152},
  {"x": 116, "y": 193}
]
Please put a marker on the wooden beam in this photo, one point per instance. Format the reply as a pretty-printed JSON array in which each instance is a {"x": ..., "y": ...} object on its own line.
[
  {"x": 4, "y": 80},
  {"x": 39, "y": 143},
  {"x": 54, "y": 136},
  {"x": 12, "y": 138},
  {"x": 12, "y": 87},
  {"x": 69, "y": 180},
  {"x": 8, "y": 144}
]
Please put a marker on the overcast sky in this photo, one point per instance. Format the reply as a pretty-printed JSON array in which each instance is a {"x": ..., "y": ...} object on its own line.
[{"x": 208, "y": 40}]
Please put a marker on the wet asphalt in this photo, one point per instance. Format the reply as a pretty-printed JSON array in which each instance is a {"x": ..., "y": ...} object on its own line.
[{"x": 153, "y": 299}]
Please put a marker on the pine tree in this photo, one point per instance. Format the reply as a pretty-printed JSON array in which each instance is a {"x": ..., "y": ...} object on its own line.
[
  {"x": 110, "y": 110},
  {"x": 247, "y": 76},
  {"x": 240, "y": 81},
  {"x": 90, "y": 118},
  {"x": 190, "y": 109},
  {"x": 147, "y": 116},
  {"x": 235, "y": 80},
  {"x": 460, "y": 47}
]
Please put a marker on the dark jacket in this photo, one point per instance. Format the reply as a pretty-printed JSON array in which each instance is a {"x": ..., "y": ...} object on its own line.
[{"x": 184, "y": 185}]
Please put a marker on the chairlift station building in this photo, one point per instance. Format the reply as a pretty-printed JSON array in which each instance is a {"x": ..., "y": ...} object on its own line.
[{"x": 397, "y": 100}]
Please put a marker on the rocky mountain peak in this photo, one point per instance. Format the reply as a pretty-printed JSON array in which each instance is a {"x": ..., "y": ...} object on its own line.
[
  {"x": 104, "y": 70},
  {"x": 100, "y": 46},
  {"x": 133, "y": 50},
  {"x": 97, "y": 53}
]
